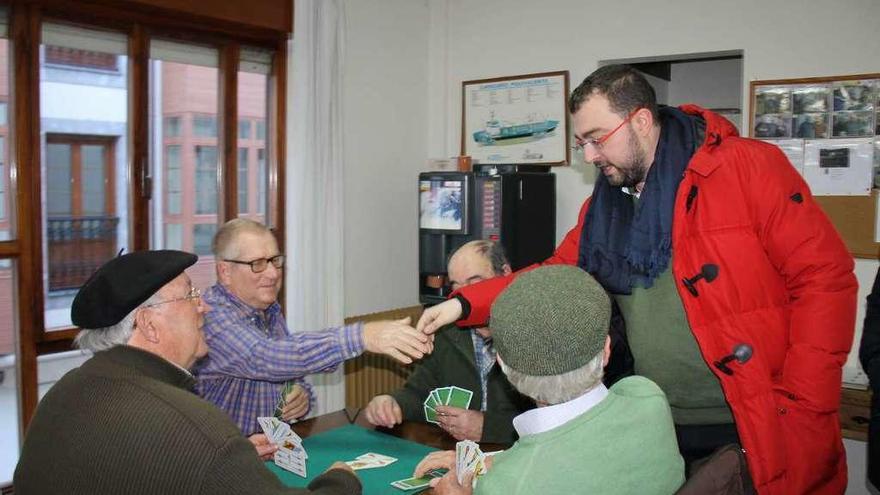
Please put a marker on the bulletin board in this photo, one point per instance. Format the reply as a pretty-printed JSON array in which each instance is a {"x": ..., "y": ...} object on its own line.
[{"x": 829, "y": 127}]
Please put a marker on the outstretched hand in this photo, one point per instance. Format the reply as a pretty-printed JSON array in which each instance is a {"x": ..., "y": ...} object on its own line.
[
  {"x": 437, "y": 316},
  {"x": 397, "y": 339}
]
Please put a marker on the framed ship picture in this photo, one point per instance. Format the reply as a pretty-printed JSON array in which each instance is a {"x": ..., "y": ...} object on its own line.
[{"x": 516, "y": 120}]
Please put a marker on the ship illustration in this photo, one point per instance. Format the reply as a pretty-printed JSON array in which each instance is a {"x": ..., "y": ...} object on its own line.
[{"x": 498, "y": 131}]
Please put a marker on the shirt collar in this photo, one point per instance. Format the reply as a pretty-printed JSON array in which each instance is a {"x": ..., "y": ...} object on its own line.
[{"x": 546, "y": 418}]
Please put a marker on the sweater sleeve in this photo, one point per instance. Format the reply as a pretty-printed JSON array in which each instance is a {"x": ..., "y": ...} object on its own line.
[{"x": 236, "y": 468}]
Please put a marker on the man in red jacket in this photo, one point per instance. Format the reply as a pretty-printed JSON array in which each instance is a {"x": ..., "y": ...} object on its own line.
[{"x": 739, "y": 296}]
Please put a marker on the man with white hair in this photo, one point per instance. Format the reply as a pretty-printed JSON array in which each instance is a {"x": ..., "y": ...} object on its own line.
[
  {"x": 256, "y": 365},
  {"x": 550, "y": 328},
  {"x": 127, "y": 421}
]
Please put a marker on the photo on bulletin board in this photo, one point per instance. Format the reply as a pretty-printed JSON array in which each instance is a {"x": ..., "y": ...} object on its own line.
[{"x": 516, "y": 119}]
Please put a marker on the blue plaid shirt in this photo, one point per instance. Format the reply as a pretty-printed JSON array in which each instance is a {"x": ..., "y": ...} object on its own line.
[
  {"x": 251, "y": 354},
  {"x": 484, "y": 358}
]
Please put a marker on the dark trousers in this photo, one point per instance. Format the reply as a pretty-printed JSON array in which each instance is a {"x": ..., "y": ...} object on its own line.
[{"x": 698, "y": 441}]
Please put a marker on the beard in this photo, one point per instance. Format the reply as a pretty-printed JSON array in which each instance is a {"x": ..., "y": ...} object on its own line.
[{"x": 635, "y": 168}]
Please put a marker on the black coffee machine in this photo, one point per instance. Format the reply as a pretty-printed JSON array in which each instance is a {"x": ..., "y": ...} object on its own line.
[{"x": 512, "y": 204}]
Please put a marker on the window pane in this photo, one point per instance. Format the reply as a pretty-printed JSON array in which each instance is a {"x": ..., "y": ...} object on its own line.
[
  {"x": 9, "y": 391},
  {"x": 185, "y": 189},
  {"x": 244, "y": 129},
  {"x": 2, "y": 174},
  {"x": 173, "y": 236},
  {"x": 58, "y": 179},
  {"x": 253, "y": 84},
  {"x": 203, "y": 234},
  {"x": 8, "y": 380},
  {"x": 93, "y": 180},
  {"x": 206, "y": 179},
  {"x": 172, "y": 126},
  {"x": 204, "y": 126},
  {"x": 242, "y": 180},
  {"x": 84, "y": 121},
  {"x": 173, "y": 180},
  {"x": 262, "y": 183}
]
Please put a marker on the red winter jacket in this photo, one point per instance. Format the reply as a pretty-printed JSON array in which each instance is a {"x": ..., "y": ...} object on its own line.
[{"x": 785, "y": 286}]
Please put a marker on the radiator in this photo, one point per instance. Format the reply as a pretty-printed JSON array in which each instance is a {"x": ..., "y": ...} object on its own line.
[{"x": 369, "y": 374}]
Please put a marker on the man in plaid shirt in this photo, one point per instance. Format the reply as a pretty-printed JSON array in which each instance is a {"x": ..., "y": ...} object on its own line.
[{"x": 255, "y": 365}]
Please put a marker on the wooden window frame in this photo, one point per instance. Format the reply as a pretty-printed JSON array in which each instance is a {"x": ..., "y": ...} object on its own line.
[{"x": 141, "y": 23}]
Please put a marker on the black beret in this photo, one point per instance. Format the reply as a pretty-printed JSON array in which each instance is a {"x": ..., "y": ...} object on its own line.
[{"x": 123, "y": 283}]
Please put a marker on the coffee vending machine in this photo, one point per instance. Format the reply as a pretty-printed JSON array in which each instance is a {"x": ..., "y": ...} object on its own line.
[{"x": 512, "y": 204}]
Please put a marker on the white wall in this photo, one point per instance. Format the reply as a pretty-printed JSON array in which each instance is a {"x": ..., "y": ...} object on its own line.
[
  {"x": 708, "y": 83},
  {"x": 386, "y": 106}
]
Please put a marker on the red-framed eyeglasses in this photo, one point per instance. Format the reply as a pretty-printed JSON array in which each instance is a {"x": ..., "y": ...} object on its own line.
[{"x": 597, "y": 143}]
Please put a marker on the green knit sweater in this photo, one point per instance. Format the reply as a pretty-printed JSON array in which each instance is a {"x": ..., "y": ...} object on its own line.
[
  {"x": 453, "y": 363},
  {"x": 623, "y": 445},
  {"x": 127, "y": 422}
]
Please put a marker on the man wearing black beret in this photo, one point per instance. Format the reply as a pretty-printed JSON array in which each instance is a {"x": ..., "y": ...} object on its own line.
[{"x": 127, "y": 421}]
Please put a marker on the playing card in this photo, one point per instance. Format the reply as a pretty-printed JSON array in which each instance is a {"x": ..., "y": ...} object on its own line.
[
  {"x": 468, "y": 458},
  {"x": 431, "y": 415},
  {"x": 275, "y": 429},
  {"x": 413, "y": 483},
  {"x": 366, "y": 463},
  {"x": 291, "y": 461},
  {"x": 443, "y": 395},
  {"x": 377, "y": 457},
  {"x": 460, "y": 397},
  {"x": 431, "y": 401}
]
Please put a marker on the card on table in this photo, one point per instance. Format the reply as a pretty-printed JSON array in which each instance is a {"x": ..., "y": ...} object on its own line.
[{"x": 371, "y": 460}]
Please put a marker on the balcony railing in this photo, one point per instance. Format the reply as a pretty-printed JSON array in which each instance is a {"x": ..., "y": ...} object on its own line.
[{"x": 77, "y": 247}]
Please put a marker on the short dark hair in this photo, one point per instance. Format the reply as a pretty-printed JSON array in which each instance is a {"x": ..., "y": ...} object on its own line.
[{"x": 625, "y": 87}]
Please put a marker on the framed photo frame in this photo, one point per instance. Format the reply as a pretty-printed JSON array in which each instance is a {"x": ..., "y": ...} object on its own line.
[{"x": 516, "y": 119}]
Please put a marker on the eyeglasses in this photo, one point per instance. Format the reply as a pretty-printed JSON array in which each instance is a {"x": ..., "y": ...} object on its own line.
[
  {"x": 597, "y": 143},
  {"x": 259, "y": 265},
  {"x": 193, "y": 293}
]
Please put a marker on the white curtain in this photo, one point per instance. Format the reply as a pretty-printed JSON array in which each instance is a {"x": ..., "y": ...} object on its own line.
[{"x": 315, "y": 290}]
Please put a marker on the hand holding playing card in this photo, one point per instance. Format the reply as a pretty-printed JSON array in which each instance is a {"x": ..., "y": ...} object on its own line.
[
  {"x": 441, "y": 459},
  {"x": 449, "y": 485},
  {"x": 290, "y": 454},
  {"x": 462, "y": 424},
  {"x": 296, "y": 403},
  {"x": 265, "y": 448}
]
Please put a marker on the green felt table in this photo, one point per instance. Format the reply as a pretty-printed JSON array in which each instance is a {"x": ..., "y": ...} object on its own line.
[{"x": 347, "y": 442}]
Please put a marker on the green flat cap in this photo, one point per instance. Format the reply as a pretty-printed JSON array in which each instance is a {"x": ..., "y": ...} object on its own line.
[{"x": 550, "y": 320}]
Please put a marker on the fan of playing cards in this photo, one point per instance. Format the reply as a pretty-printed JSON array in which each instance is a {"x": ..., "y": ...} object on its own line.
[
  {"x": 469, "y": 459},
  {"x": 446, "y": 396},
  {"x": 290, "y": 455}
]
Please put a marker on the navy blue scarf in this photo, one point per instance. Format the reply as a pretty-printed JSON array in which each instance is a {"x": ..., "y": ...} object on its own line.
[{"x": 623, "y": 246}]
